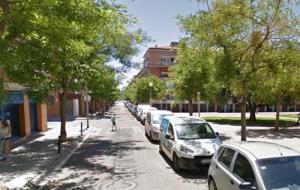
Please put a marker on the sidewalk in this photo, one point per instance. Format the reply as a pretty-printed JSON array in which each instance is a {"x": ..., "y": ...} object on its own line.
[{"x": 36, "y": 156}]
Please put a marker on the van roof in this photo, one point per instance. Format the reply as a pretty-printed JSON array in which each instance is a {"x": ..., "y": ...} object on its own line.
[
  {"x": 161, "y": 112},
  {"x": 184, "y": 119}
]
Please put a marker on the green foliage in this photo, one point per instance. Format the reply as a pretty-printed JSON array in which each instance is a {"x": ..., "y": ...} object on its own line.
[
  {"x": 282, "y": 73},
  {"x": 139, "y": 90},
  {"x": 236, "y": 33},
  {"x": 2, "y": 91},
  {"x": 52, "y": 45},
  {"x": 191, "y": 74},
  {"x": 103, "y": 85},
  {"x": 247, "y": 41}
]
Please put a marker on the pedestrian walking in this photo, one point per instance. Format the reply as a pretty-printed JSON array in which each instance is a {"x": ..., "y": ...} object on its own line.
[
  {"x": 113, "y": 120},
  {"x": 5, "y": 144}
]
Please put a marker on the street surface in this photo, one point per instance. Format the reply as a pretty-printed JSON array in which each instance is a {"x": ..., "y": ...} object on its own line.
[
  {"x": 125, "y": 159},
  {"x": 122, "y": 160}
]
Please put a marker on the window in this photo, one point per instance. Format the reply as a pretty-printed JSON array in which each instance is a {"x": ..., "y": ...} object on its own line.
[
  {"x": 170, "y": 131},
  {"x": 166, "y": 60},
  {"x": 194, "y": 131},
  {"x": 164, "y": 126},
  {"x": 164, "y": 74},
  {"x": 219, "y": 151},
  {"x": 280, "y": 172},
  {"x": 242, "y": 169},
  {"x": 162, "y": 61},
  {"x": 226, "y": 157},
  {"x": 172, "y": 60}
]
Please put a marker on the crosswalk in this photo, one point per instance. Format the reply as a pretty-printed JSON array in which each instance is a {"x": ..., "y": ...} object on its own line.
[{"x": 107, "y": 131}]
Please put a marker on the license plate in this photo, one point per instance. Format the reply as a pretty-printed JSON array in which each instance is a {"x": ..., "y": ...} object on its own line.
[{"x": 205, "y": 161}]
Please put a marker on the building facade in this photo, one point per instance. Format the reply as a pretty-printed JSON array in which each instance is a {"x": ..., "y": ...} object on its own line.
[
  {"x": 23, "y": 113},
  {"x": 158, "y": 60}
]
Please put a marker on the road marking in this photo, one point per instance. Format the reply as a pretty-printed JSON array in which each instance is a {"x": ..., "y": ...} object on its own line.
[{"x": 124, "y": 175}]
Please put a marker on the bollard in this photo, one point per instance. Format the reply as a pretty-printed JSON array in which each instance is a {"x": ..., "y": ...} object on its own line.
[
  {"x": 81, "y": 128},
  {"x": 59, "y": 145}
]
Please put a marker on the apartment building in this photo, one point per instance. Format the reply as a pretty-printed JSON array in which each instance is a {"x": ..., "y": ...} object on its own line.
[{"x": 158, "y": 60}]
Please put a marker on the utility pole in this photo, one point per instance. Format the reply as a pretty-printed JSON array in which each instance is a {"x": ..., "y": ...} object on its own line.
[{"x": 87, "y": 99}]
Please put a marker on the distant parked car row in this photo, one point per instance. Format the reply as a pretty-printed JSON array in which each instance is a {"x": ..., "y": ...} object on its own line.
[{"x": 191, "y": 143}]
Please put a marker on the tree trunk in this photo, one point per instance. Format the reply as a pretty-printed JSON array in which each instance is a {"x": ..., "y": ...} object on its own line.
[
  {"x": 103, "y": 107},
  {"x": 278, "y": 109},
  {"x": 252, "y": 108},
  {"x": 63, "y": 133},
  {"x": 243, "y": 121},
  {"x": 4, "y": 4},
  {"x": 191, "y": 107}
]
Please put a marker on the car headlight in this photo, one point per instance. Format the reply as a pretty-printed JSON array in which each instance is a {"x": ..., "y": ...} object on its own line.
[
  {"x": 185, "y": 149},
  {"x": 156, "y": 128}
]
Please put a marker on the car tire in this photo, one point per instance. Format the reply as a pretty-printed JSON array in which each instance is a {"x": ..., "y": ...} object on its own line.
[
  {"x": 176, "y": 165},
  {"x": 146, "y": 132},
  {"x": 151, "y": 136},
  {"x": 160, "y": 148},
  {"x": 212, "y": 184}
]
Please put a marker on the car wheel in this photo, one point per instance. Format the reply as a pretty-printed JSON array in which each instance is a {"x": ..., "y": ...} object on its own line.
[
  {"x": 160, "y": 148},
  {"x": 151, "y": 136},
  {"x": 212, "y": 184},
  {"x": 146, "y": 132},
  {"x": 176, "y": 163}
]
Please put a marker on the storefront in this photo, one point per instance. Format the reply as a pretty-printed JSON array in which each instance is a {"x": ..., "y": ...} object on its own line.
[{"x": 23, "y": 114}]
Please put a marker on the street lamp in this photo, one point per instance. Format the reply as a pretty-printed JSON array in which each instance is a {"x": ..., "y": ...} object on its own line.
[
  {"x": 198, "y": 99},
  {"x": 150, "y": 85}
]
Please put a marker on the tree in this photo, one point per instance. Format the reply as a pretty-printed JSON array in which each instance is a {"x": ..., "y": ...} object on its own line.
[
  {"x": 191, "y": 73},
  {"x": 282, "y": 74},
  {"x": 139, "y": 91},
  {"x": 103, "y": 85},
  {"x": 48, "y": 45},
  {"x": 237, "y": 32}
]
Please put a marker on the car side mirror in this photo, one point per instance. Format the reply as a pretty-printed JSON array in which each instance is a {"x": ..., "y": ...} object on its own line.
[
  {"x": 247, "y": 186},
  {"x": 217, "y": 133}
]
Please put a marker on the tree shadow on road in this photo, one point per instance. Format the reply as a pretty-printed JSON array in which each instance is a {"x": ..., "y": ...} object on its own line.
[
  {"x": 186, "y": 176},
  {"x": 90, "y": 161},
  {"x": 224, "y": 137},
  {"x": 271, "y": 134}
]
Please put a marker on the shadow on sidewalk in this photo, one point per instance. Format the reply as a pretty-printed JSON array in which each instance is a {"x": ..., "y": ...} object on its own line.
[
  {"x": 33, "y": 156},
  {"x": 271, "y": 134}
]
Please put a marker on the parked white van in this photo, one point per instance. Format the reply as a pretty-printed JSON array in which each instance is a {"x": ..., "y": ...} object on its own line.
[
  {"x": 152, "y": 124},
  {"x": 189, "y": 142}
]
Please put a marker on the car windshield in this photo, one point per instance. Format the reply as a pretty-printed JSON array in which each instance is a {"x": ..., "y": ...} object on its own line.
[
  {"x": 194, "y": 131},
  {"x": 281, "y": 173},
  {"x": 158, "y": 117}
]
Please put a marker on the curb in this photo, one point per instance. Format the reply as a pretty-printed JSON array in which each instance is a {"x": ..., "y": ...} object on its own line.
[
  {"x": 61, "y": 164},
  {"x": 42, "y": 179}
]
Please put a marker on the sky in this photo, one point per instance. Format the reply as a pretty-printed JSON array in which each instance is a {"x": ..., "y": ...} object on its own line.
[{"x": 158, "y": 19}]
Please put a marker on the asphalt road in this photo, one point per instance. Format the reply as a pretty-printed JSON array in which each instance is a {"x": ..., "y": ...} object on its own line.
[{"x": 122, "y": 160}]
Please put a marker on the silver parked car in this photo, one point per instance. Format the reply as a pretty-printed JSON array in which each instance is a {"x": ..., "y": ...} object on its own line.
[
  {"x": 254, "y": 166},
  {"x": 152, "y": 124},
  {"x": 139, "y": 111},
  {"x": 144, "y": 113},
  {"x": 189, "y": 142}
]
